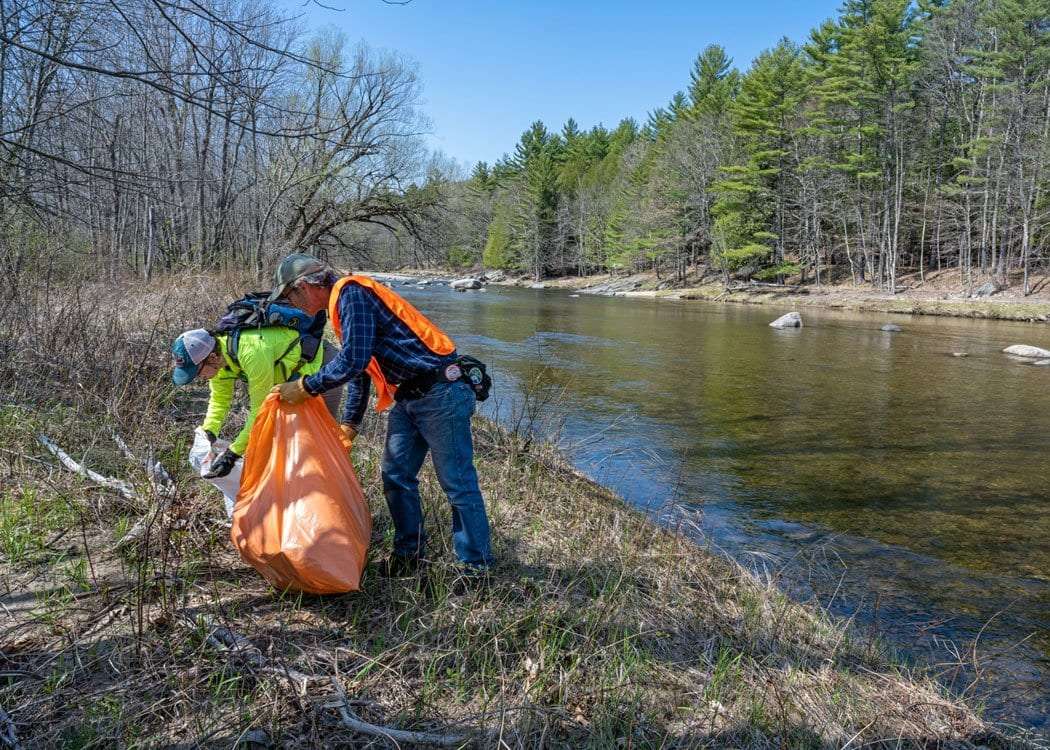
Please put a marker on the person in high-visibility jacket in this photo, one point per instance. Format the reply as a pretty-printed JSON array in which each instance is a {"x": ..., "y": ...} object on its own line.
[
  {"x": 265, "y": 356},
  {"x": 391, "y": 346}
]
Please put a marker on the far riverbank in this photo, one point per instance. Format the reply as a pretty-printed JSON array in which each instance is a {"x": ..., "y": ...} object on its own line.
[{"x": 940, "y": 294}]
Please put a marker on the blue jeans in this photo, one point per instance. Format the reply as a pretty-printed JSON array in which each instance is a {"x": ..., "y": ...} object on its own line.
[{"x": 438, "y": 422}]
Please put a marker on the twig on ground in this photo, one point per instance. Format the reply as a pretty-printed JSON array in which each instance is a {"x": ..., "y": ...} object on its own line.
[
  {"x": 23, "y": 456},
  {"x": 159, "y": 478},
  {"x": 19, "y": 674},
  {"x": 394, "y": 735},
  {"x": 161, "y": 482},
  {"x": 224, "y": 639},
  {"x": 104, "y": 620}
]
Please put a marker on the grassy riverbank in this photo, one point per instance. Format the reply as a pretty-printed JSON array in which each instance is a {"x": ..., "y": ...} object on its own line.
[
  {"x": 598, "y": 629},
  {"x": 939, "y": 293}
]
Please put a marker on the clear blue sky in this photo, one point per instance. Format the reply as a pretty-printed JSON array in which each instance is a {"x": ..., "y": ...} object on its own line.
[{"x": 491, "y": 68}]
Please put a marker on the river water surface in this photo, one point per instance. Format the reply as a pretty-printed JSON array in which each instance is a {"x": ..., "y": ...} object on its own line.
[{"x": 877, "y": 473}]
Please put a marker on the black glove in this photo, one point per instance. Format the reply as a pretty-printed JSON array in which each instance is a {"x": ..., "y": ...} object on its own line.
[
  {"x": 223, "y": 465},
  {"x": 211, "y": 437}
]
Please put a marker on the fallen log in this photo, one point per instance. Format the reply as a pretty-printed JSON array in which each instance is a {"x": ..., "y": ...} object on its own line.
[
  {"x": 119, "y": 486},
  {"x": 160, "y": 481}
]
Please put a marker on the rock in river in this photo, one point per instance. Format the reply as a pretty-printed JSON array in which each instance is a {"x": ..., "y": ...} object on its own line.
[
  {"x": 891, "y": 327},
  {"x": 468, "y": 283},
  {"x": 1023, "y": 350},
  {"x": 791, "y": 320}
]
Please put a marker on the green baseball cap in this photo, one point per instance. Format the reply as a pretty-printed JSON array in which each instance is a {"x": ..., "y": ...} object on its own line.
[{"x": 293, "y": 268}]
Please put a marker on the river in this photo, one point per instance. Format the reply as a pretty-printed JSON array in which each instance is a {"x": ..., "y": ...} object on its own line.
[{"x": 876, "y": 473}]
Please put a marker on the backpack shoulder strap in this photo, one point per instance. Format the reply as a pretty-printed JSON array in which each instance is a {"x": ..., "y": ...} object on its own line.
[
  {"x": 233, "y": 341},
  {"x": 298, "y": 365}
]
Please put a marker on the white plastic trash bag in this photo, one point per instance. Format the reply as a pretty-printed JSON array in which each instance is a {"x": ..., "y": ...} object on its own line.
[{"x": 202, "y": 454}]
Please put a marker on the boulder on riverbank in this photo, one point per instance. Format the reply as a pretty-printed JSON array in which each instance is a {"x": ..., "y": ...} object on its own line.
[
  {"x": 987, "y": 289},
  {"x": 464, "y": 284},
  {"x": 390, "y": 278},
  {"x": 538, "y": 285},
  {"x": 615, "y": 287},
  {"x": 493, "y": 277},
  {"x": 791, "y": 320},
  {"x": 1029, "y": 352},
  {"x": 891, "y": 328}
]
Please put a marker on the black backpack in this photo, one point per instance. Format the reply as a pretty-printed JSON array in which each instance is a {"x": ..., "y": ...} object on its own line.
[{"x": 252, "y": 311}]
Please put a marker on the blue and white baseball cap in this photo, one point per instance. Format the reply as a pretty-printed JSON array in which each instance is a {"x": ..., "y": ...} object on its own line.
[{"x": 188, "y": 351}]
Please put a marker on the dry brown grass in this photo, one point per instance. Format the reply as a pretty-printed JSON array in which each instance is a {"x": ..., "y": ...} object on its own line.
[{"x": 599, "y": 629}]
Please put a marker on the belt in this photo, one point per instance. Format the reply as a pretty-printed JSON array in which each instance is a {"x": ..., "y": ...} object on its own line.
[{"x": 420, "y": 385}]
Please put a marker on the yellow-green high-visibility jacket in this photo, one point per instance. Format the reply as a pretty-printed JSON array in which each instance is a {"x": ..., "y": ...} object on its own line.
[{"x": 267, "y": 357}]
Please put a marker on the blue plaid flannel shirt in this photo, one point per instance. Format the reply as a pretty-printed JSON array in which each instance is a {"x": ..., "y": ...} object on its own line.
[{"x": 371, "y": 330}]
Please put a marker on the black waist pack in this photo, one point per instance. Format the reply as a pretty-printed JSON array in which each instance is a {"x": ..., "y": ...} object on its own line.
[
  {"x": 471, "y": 371},
  {"x": 475, "y": 375}
]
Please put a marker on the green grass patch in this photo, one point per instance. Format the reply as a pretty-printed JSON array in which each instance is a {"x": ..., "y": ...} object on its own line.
[{"x": 28, "y": 521}]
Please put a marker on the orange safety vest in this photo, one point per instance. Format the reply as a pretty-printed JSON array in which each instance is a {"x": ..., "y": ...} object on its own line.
[{"x": 433, "y": 338}]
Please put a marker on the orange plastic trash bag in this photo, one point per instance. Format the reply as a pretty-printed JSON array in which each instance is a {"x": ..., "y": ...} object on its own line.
[{"x": 301, "y": 518}]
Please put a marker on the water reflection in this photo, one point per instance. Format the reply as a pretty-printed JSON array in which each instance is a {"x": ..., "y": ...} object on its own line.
[{"x": 924, "y": 472}]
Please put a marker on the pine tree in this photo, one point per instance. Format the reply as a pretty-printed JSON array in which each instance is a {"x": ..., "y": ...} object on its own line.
[
  {"x": 570, "y": 132},
  {"x": 497, "y": 253},
  {"x": 713, "y": 82},
  {"x": 658, "y": 121},
  {"x": 754, "y": 198},
  {"x": 625, "y": 238},
  {"x": 867, "y": 62},
  {"x": 482, "y": 179},
  {"x": 1006, "y": 157},
  {"x": 583, "y": 151},
  {"x": 537, "y": 159}
]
